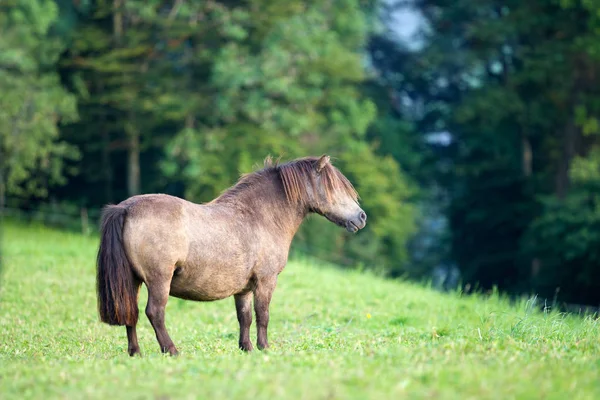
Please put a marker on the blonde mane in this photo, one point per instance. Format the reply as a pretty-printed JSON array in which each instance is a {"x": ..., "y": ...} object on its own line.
[
  {"x": 296, "y": 176},
  {"x": 295, "y": 173}
]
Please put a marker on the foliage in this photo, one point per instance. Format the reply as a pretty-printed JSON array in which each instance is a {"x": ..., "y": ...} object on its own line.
[
  {"x": 286, "y": 88},
  {"x": 333, "y": 334},
  {"x": 212, "y": 88},
  {"x": 33, "y": 102},
  {"x": 477, "y": 148},
  {"x": 565, "y": 239},
  {"x": 513, "y": 87},
  {"x": 387, "y": 197}
]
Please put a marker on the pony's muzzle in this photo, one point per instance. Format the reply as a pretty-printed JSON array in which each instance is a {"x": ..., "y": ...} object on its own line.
[
  {"x": 363, "y": 217},
  {"x": 353, "y": 225}
]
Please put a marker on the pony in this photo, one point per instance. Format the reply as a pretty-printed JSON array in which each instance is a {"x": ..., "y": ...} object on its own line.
[{"x": 235, "y": 245}]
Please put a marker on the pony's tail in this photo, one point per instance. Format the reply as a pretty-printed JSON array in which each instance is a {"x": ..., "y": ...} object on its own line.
[{"x": 115, "y": 281}]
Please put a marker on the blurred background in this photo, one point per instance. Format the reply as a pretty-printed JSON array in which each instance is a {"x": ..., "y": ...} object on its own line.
[{"x": 469, "y": 127}]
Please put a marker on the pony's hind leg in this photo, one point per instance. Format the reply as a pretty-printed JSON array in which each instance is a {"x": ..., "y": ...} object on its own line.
[
  {"x": 133, "y": 347},
  {"x": 243, "y": 307},
  {"x": 158, "y": 294}
]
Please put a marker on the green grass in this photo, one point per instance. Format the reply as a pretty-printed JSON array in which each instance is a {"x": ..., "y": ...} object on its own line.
[{"x": 334, "y": 334}]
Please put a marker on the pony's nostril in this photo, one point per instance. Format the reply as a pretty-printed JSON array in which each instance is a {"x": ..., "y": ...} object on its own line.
[{"x": 363, "y": 216}]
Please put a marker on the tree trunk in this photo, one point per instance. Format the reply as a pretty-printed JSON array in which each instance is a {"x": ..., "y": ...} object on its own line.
[
  {"x": 527, "y": 156},
  {"x": 189, "y": 121},
  {"x": 132, "y": 133},
  {"x": 527, "y": 170},
  {"x": 2, "y": 192},
  {"x": 568, "y": 152},
  {"x": 106, "y": 167},
  {"x": 118, "y": 20},
  {"x": 133, "y": 164}
]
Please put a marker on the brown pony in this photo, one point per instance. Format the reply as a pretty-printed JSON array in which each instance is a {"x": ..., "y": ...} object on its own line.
[{"x": 235, "y": 245}]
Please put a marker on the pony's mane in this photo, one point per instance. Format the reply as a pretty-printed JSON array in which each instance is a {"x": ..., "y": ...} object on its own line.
[{"x": 293, "y": 174}]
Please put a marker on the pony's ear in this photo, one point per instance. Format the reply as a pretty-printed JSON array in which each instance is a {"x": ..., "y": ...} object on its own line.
[{"x": 323, "y": 161}]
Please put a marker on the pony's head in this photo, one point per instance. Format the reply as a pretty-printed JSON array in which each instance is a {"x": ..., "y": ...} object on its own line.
[{"x": 322, "y": 188}]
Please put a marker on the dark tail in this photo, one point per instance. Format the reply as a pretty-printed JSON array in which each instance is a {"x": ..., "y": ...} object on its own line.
[{"x": 116, "y": 284}]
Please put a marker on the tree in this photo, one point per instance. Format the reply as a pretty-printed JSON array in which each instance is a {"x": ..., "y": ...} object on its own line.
[
  {"x": 286, "y": 81},
  {"x": 124, "y": 61},
  {"x": 192, "y": 94},
  {"x": 33, "y": 102},
  {"x": 512, "y": 86},
  {"x": 564, "y": 237}
]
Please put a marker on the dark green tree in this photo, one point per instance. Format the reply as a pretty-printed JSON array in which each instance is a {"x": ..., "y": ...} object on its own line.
[
  {"x": 33, "y": 103},
  {"x": 182, "y": 97},
  {"x": 512, "y": 85}
]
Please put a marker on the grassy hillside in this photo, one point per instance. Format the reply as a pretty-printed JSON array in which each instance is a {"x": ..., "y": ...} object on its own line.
[{"x": 333, "y": 334}]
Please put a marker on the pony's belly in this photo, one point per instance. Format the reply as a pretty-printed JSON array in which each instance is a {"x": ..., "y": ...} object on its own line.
[
  {"x": 197, "y": 286},
  {"x": 194, "y": 295}
]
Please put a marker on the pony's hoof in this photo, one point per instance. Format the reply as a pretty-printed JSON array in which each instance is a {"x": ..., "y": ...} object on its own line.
[
  {"x": 247, "y": 347},
  {"x": 172, "y": 351},
  {"x": 135, "y": 352},
  {"x": 263, "y": 347}
]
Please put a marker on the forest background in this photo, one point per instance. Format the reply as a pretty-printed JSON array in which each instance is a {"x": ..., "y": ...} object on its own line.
[{"x": 474, "y": 143}]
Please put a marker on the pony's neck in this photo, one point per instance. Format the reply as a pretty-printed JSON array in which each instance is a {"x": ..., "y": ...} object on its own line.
[{"x": 263, "y": 201}]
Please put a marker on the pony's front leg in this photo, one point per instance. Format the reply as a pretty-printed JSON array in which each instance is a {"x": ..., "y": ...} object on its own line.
[
  {"x": 262, "y": 298},
  {"x": 243, "y": 307}
]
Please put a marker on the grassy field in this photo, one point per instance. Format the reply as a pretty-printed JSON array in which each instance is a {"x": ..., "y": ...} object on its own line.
[{"x": 333, "y": 334}]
